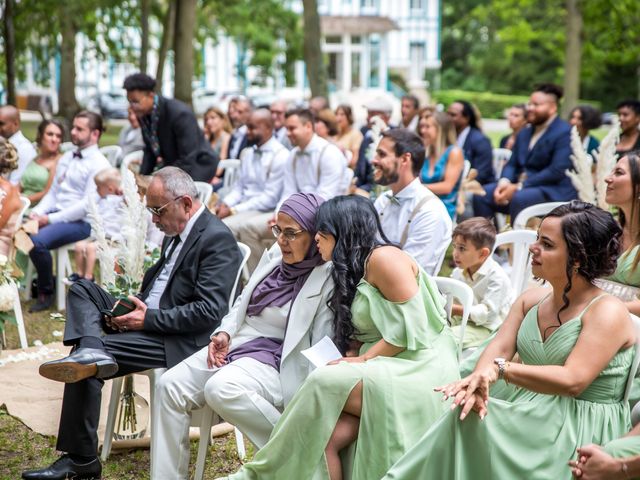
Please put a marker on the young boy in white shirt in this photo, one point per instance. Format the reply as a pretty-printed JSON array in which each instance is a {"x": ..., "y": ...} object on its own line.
[
  {"x": 109, "y": 206},
  {"x": 493, "y": 295}
]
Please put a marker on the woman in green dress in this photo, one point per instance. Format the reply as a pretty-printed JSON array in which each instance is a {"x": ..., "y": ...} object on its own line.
[
  {"x": 623, "y": 191},
  {"x": 575, "y": 345},
  {"x": 370, "y": 406},
  {"x": 38, "y": 176}
]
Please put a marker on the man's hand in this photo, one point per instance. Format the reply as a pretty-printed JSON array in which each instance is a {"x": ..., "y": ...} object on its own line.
[
  {"x": 218, "y": 350},
  {"x": 133, "y": 320},
  {"x": 41, "y": 219},
  {"x": 502, "y": 195},
  {"x": 223, "y": 210}
]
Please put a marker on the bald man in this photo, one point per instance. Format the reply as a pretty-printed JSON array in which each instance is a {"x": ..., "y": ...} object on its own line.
[
  {"x": 10, "y": 129},
  {"x": 260, "y": 182}
]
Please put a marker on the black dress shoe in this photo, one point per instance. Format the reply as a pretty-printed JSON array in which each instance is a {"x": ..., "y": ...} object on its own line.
[
  {"x": 81, "y": 364},
  {"x": 45, "y": 301},
  {"x": 64, "y": 468}
]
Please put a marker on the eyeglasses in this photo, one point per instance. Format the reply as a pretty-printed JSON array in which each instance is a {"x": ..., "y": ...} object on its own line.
[
  {"x": 158, "y": 211},
  {"x": 289, "y": 234}
]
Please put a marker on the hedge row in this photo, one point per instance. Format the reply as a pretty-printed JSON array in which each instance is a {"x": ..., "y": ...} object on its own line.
[{"x": 491, "y": 105}]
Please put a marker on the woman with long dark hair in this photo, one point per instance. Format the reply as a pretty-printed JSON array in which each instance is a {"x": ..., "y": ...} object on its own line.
[
  {"x": 575, "y": 345},
  {"x": 390, "y": 321}
]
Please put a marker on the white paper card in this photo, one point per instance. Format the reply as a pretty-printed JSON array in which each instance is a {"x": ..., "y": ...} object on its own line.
[{"x": 322, "y": 352}]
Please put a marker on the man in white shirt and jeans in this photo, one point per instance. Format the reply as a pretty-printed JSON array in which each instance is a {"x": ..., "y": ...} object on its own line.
[
  {"x": 410, "y": 214},
  {"x": 259, "y": 184},
  {"x": 10, "y": 129},
  {"x": 314, "y": 166},
  {"x": 61, "y": 214}
]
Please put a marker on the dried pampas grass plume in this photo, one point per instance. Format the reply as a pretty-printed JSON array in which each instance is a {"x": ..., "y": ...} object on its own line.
[
  {"x": 581, "y": 176},
  {"x": 606, "y": 157}
]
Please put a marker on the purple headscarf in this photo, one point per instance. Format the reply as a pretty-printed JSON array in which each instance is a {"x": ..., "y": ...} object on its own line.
[{"x": 286, "y": 280}]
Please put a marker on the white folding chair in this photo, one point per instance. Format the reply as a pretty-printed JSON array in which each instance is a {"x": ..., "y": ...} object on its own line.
[
  {"x": 206, "y": 414},
  {"x": 452, "y": 288},
  {"x": 521, "y": 266},
  {"x": 231, "y": 172},
  {"x": 63, "y": 270},
  {"x": 113, "y": 154},
  {"x": 500, "y": 158},
  {"x": 205, "y": 190},
  {"x": 134, "y": 157},
  {"x": 66, "y": 146},
  {"x": 539, "y": 210}
]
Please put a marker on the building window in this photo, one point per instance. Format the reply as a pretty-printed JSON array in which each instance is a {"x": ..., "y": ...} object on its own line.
[
  {"x": 333, "y": 39},
  {"x": 417, "y": 56},
  {"x": 418, "y": 5},
  {"x": 368, "y": 3}
]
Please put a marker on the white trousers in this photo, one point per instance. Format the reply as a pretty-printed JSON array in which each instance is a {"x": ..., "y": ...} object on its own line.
[
  {"x": 245, "y": 393},
  {"x": 251, "y": 229}
]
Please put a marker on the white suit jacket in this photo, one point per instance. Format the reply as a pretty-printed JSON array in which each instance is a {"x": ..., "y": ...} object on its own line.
[{"x": 310, "y": 319}]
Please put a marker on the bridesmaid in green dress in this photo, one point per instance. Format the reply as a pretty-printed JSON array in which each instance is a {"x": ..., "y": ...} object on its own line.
[
  {"x": 372, "y": 405},
  {"x": 623, "y": 191},
  {"x": 575, "y": 348},
  {"x": 38, "y": 176}
]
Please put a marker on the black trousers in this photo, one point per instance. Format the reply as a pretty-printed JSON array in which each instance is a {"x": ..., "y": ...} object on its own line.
[{"x": 134, "y": 351}]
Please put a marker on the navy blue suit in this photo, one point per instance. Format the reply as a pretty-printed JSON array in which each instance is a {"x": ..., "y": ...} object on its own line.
[
  {"x": 477, "y": 149},
  {"x": 544, "y": 167}
]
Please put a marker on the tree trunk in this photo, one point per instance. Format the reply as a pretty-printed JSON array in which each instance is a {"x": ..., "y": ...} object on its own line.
[
  {"x": 67, "y": 102},
  {"x": 573, "y": 57},
  {"x": 183, "y": 49},
  {"x": 167, "y": 40},
  {"x": 144, "y": 27},
  {"x": 314, "y": 60},
  {"x": 10, "y": 50}
]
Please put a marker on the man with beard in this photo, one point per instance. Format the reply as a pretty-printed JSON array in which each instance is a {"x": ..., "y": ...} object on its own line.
[
  {"x": 536, "y": 172},
  {"x": 62, "y": 212},
  {"x": 259, "y": 185},
  {"x": 410, "y": 214}
]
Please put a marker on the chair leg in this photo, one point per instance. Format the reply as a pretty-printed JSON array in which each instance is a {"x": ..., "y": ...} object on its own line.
[
  {"x": 205, "y": 434},
  {"x": 116, "y": 388},
  {"x": 28, "y": 280},
  {"x": 17, "y": 310},
  {"x": 242, "y": 453},
  {"x": 63, "y": 264}
]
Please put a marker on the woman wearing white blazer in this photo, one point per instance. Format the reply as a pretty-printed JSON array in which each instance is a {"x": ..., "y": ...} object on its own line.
[{"x": 253, "y": 365}]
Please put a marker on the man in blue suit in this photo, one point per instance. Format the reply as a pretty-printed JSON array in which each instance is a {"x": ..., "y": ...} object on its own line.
[
  {"x": 541, "y": 156},
  {"x": 474, "y": 144}
]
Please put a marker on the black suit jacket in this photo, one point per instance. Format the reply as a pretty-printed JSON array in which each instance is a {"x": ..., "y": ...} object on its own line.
[
  {"x": 196, "y": 296},
  {"x": 182, "y": 143},
  {"x": 477, "y": 149}
]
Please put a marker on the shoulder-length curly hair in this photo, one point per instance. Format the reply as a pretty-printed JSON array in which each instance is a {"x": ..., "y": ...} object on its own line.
[
  {"x": 355, "y": 225},
  {"x": 593, "y": 239}
]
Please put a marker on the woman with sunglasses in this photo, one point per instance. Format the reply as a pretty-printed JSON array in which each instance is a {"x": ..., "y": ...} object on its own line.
[
  {"x": 253, "y": 365},
  {"x": 390, "y": 321}
]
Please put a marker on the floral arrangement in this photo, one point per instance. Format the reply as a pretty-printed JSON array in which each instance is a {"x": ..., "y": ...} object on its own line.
[
  {"x": 377, "y": 127},
  {"x": 122, "y": 264},
  {"x": 592, "y": 188}
]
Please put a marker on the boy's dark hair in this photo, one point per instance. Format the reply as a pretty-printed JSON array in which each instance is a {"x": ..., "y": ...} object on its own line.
[{"x": 478, "y": 230}]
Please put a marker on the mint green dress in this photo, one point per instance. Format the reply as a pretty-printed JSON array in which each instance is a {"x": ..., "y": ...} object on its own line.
[
  {"x": 398, "y": 402},
  {"x": 525, "y": 434},
  {"x": 34, "y": 180},
  {"x": 624, "y": 447}
]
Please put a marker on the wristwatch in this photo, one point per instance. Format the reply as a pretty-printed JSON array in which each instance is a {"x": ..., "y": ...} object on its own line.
[{"x": 502, "y": 366}]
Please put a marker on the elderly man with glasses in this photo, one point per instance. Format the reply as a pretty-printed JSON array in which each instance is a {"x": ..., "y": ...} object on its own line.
[{"x": 182, "y": 299}]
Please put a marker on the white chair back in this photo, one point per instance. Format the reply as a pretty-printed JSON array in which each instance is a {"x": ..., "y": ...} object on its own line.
[
  {"x": 231, "y": 173},
  {"x": 66, "y": 146},
  {"x": 246, "y": 253},
  {"x": 500, "y": 158},
  {"x": 466, "y": 169},
  {"x": 636, "y": 362},
  {"x": 452, "y": 288},
  {"x": 133, "y": 157},
  {"x": 26, "y": 203},
  {"x": 205, "y": 190},
  {"x": 113, "y": 154},
  {"x": 539, "y": 210},
  {"x": 521, "y": 266}
]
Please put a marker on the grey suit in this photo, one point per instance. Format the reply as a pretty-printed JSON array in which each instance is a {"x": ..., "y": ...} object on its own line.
[{"x": 195, "y": 299}]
